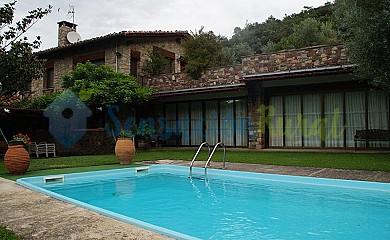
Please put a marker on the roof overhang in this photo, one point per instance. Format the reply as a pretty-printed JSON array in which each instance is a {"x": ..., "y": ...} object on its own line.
[
  {"x": 113, "y": 38},
  {"x": 302, "y": 76},
  {"x": 201, "y": 90}
]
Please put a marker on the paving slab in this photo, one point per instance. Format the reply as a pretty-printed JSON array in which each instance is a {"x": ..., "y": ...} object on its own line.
[
  {"x": 34, "y": 215},
  {"x": 372, "y": 176}
]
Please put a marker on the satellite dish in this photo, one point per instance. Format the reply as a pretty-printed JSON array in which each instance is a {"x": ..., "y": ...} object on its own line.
[{"x": 73, "y": 37}]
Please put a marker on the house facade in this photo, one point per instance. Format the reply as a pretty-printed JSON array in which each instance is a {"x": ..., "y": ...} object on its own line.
[
  {"x": 125, "y": 52},
  {"x": 303, "y": 98}
]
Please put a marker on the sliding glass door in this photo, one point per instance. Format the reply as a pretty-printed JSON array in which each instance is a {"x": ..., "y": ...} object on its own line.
[
  {"x": 196, "y": 123},
  {"x": 184, "y": 122},
  {"x": 293, "y": 120},
  {"x": 311, "y": 120},
  {"x": 333, "y": 119},
  {"x": 355, "y": 109},
  {"x": 212, "y": 129},
  {"x": 241, "y": 123},
  {"x": 275, "y": 122},
  {"x": 212, "y": 121},
  {"x": 326, "y": 119},
  {"x": 227, "y": 122},
  {"x": 378, "y": 117}
]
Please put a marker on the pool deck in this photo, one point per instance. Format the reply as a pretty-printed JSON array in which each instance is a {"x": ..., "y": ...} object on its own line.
[{"x": 33, "y": 215}]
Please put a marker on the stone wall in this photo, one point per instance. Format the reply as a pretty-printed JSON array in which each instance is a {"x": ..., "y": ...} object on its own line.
[
  {"x": 117, "y": 57},
  {"x": 305, "y": 58},
  {"x": 212, "y": 77},
  {"x": 122, "y": 63}
]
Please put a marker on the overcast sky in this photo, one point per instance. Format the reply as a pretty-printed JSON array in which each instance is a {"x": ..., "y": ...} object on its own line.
[{"x": 100, "y": 17}]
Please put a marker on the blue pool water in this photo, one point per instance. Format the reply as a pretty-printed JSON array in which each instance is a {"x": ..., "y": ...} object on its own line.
[{"x": 229, "y": 204}]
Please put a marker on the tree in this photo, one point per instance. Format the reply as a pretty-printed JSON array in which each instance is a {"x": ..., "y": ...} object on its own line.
[
  {"x": 274, "y": 34},
  {"x": 19, "y": 66},
  {"x": 201, "y": 51},
  {"x": 309, "y": 32},
  {"x": 156, "y": 64},
  {"x": 102, "y": 86},
  {"x": 365, "y": 26}
]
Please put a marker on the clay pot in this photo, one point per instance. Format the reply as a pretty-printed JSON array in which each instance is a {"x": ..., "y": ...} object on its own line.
[
  {"x": 17, "y": 159},
  {"x": 124, "y": 150}
]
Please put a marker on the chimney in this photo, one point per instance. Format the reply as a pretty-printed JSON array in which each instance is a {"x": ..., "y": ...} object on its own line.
[{"x": 64, "y": 28}]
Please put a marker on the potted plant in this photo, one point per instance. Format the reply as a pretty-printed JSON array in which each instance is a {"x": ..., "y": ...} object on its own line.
[
  {"x": 124, "y": 147},
  {"x": 17, "y": 159},
  {"x": 144, "y": 131}
]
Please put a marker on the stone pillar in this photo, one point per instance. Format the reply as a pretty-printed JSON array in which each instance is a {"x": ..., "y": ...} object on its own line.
[
  {"x": 256, "y": 126},
  {"x": 64, "y": 28}
]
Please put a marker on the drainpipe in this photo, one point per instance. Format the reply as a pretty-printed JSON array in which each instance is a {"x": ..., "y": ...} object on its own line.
[{"x": 116, "y": 57}]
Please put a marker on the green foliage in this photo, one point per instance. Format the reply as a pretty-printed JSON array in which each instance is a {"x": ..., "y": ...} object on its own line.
[
  {"x": 102, "y": 86},
  {"x": 226, "y": 57},
  {"x": 156, "y": 64},
  {"x": 126, "y": 133},
  {"x": 7, "y": 234},
  {"x": 40, "y": 102},
  {"x": 18, "y": 64},
  {"x": 309, "y": 32},
  {"x": 365, "y": 27},
  {"x": 256, "y": 35},
  {"x": 144, "y": 130},
  {"x": 241, "y": 50},
  {"x": 202, "y": 51},
  {"x": 312, "y": 26}
]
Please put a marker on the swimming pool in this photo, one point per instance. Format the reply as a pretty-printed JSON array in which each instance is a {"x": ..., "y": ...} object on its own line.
[{"x": 228, "y": 204}]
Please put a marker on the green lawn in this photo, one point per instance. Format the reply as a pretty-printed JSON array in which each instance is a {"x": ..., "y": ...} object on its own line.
[{"x": 61, "y": 165}]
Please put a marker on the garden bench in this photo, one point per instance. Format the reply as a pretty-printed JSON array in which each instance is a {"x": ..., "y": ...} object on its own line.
[
  {"x": 371, "y": 135},
  {"x": 42, "y": 148}
]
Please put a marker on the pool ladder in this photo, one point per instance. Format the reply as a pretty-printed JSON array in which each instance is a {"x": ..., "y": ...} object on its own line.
[{"x": 211, "y": 153}]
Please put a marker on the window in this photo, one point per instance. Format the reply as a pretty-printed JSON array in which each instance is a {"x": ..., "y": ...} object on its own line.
[
  {"x": 212, "y": 121},
  {"x": 49, "y": 78},
  {"x": 170, "y": 56},
  {"x": 98, "y": 62},
  {"x": 326, "y": 119},
  {"x": 293, "y": 120},
  {"x": 275, "y": 124},
  {"x": 311, "y": 120},
  {"x": 333, "y": 118},
  {"x": 135, "y": 57},
  {"x": 97, "y": 58},
  {"x": 355, "y": 108}
]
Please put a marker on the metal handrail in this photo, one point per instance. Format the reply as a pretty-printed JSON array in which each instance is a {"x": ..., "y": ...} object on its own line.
[
  {"x": 197, "y": 152},
  {"x": 212, "y": 153}
]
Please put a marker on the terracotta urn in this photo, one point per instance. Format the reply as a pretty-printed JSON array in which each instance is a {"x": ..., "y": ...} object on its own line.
[
  {"x": 17, "y": 159},
  {"x": 124, "y": 150}
]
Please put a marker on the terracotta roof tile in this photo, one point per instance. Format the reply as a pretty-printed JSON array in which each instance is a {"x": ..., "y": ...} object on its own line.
[{"x": 117, "y": 35}]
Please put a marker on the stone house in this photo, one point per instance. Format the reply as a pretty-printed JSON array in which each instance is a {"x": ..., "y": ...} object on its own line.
[
  {"x": 302, "y": 98},
  {"x": 125, "y": 52}
]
